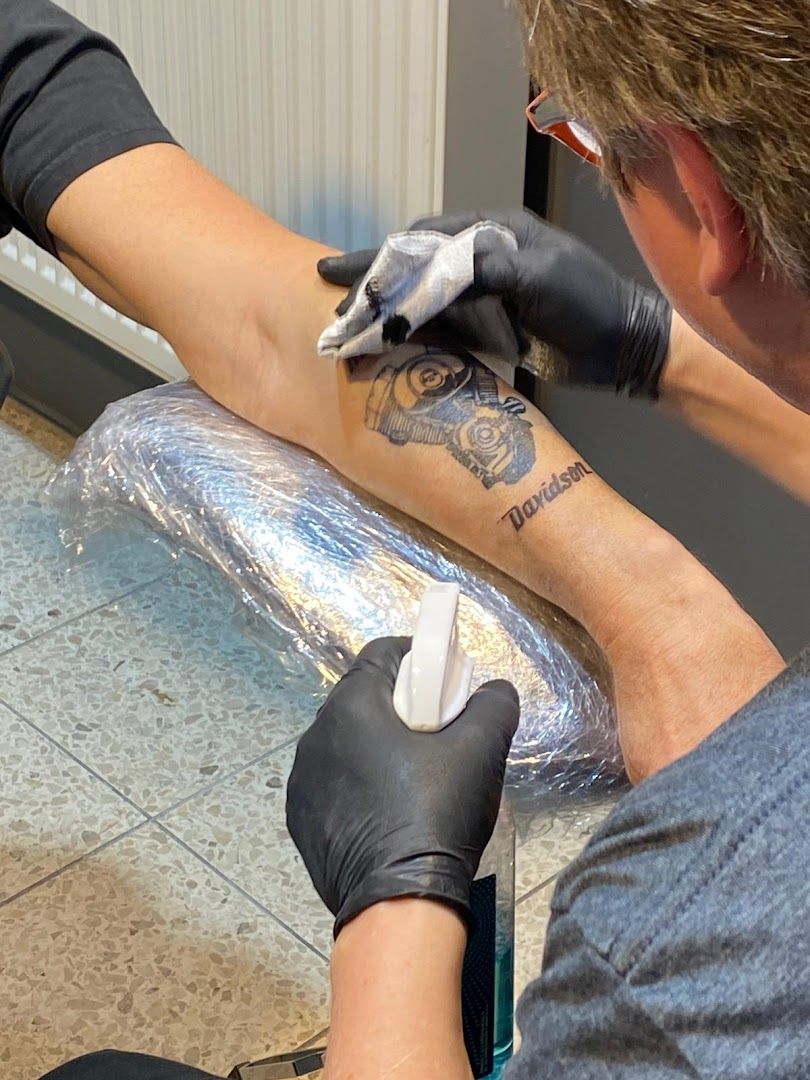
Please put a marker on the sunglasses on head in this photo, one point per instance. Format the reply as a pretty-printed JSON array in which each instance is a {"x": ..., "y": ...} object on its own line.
[{"x": 547, "y": 116}]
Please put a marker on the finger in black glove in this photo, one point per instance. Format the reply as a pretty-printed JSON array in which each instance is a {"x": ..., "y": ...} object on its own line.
[
  {"x": 557, "y": 290},
  {"x": 379, "y": 811}
]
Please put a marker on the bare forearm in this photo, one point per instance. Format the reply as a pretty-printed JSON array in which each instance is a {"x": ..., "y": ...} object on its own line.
[
  {"x": 396, "y": 994},
  {"x": 239, "y": 298},
  {"x": 718, "y": 398},
  {"x": 523, "y": 499}
]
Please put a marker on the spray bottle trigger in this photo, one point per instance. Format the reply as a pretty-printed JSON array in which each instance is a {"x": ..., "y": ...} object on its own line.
[{"x": 433, "y": 683}]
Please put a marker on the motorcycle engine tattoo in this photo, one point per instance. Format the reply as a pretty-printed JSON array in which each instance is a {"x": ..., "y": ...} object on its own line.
[{"x": 450, "y": 399}]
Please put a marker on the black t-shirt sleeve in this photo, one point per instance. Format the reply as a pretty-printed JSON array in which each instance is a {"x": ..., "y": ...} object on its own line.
[{"x": 68, "y": 101}]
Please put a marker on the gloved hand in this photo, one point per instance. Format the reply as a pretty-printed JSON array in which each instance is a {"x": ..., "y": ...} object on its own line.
[
  {"x": 379, "y": 811},
  {"x": 555, "y": 289}
]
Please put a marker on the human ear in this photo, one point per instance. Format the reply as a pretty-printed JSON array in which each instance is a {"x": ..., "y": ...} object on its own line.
[{"x": 724, "y": 243}]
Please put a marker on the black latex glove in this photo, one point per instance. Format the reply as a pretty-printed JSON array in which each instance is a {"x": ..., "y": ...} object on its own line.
[
  {"x": 379, "y": 811},
  {"x": 554, "y": 289}
]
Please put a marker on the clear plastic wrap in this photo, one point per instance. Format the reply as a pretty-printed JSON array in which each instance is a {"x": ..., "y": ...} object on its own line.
[{"x": 333, "y": 567}]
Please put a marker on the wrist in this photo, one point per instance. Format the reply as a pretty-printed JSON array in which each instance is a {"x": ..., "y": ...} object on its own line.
[
  {"x": 396, "y": 993},
  {"x": 407, "y": 917},
  {"x": 684, "y": 656}
]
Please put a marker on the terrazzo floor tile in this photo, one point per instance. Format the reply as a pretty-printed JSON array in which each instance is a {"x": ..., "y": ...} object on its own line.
[
  {"x": 162, "y": 692},
  {"x": 38, "y": 587},
  {"x": 11, "y": 441},
  {"x": 52, "y": 811},
  {"x": 553, "y": 841},
  {"x": 531, "y": 923},
  {"x": 35, "y": 428},
  {"x": 221, "y": 825},
  {"x": 141, "y": 947}
]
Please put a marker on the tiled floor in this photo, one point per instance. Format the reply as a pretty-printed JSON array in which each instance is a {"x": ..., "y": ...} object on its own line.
[{"x": 150, "y": 897}]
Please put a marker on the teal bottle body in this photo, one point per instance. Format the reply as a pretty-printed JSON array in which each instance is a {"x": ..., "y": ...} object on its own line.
[{"x": 488, "y": 978}]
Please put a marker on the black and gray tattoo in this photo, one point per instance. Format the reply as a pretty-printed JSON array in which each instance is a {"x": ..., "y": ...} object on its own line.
[
  {"x": 450, "y": 399},
  {"x": 548, "y": 491}
]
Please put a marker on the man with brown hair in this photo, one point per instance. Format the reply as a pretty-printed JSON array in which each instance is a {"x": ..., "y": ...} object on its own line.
[{"x": 678, "y": 944}]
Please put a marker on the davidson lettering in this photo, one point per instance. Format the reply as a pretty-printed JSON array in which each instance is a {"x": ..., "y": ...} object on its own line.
[{"x": 551, "y": 490}]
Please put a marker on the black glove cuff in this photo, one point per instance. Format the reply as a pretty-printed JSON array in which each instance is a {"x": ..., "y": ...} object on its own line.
[
  {"x": 436, "y": 879},
  {"x": 645, "y": 343}
]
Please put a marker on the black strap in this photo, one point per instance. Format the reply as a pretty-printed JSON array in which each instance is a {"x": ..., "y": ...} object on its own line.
[{"x": 282, "y": 1066}]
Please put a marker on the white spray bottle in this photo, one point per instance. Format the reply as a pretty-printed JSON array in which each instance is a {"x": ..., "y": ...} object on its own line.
[{"x": 432, "y": 689}]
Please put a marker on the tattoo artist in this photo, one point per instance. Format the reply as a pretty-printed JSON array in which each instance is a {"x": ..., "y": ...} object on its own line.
[{"x": 678, "y": 943}]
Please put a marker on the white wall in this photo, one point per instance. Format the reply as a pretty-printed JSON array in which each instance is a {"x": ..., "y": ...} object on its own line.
[{"x": 328, "y": 114}]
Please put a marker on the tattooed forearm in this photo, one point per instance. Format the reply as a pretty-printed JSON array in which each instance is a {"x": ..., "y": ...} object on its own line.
[
  {"x": 549, "y": 491},
  {"x": 450, "y": 399}
]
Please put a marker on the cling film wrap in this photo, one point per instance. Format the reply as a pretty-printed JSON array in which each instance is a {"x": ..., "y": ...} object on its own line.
[{"x": 332, "y": 567}]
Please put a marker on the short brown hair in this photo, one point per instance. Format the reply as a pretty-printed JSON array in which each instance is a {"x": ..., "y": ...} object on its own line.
[{"x": 734, "y": 71}]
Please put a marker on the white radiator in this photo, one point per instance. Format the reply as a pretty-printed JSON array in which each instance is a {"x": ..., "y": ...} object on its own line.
[{"x": 329, "y": 114}]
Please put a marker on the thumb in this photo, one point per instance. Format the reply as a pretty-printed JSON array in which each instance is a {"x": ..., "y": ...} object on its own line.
[
  {"x": 345, "y": 269},
  {"x": 494, "y": 707},
  {"x": 349, "y": 298}
]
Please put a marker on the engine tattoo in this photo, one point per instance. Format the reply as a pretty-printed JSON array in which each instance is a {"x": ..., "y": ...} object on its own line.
[{"x": 450, "y": 399}]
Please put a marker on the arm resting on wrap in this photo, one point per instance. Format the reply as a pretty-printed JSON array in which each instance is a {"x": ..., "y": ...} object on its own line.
[
  {"x": 505, "y": 484},
  {"x": 239, "y": 298}
]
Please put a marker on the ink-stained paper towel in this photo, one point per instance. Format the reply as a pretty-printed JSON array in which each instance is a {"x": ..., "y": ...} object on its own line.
[{"x": 415, "y": 276}]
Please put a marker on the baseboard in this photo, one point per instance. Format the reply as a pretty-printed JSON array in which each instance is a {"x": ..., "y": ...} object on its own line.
[{"x": 61, "y": 371}]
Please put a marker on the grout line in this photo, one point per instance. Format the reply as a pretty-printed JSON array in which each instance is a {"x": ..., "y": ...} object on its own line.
[
  {"x": 69, "y": 753},
  {"x": 205, "y": 789},
  {"x": 242, "y": 892},
  {"x": 186, "y": 847},
  {"x": 90, "y": 611},
  {"x": 126, "y": 798},
  {"x": 73, "y": 862},
  {"x": 537, "y": 888}
]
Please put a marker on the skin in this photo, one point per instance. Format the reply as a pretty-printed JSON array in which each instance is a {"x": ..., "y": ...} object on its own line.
[
  {"x": 711, "y": 393},
  {"x": 244, "y": 321},
  {"x": 390, "y": 957},
  {"x": 160, "y": 239},
  {"x": 253, "y": 296},
  {"x": 693, "y": 238}
]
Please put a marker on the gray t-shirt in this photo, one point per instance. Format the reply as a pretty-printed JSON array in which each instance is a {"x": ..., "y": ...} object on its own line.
[{"x": 679, "y": 944}]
